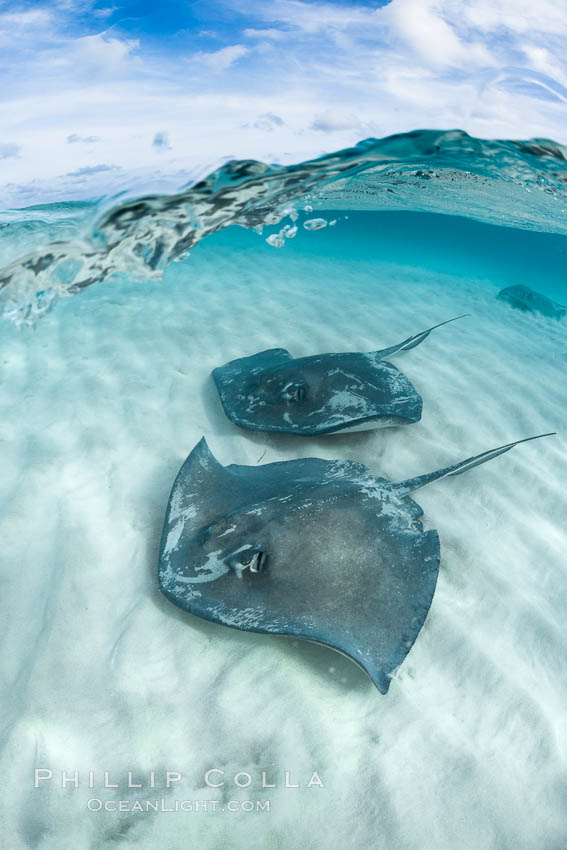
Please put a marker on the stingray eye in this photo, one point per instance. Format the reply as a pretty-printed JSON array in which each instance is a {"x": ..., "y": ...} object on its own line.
[
  {"x": 258, "y": 561},
  {"x": 251, "y": 559},
  {"x": 294, "y": 391}
]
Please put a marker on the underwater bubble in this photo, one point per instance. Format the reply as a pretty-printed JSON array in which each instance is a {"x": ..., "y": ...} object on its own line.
[
  {"x": 276, "y": 240},
  {"x": 315, "y": 223}
]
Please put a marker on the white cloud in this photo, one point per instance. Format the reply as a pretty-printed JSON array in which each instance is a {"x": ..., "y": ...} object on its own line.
[
  {"x": 221, "y": 60},
  {"x": 270, "y": 33},
  {"x": 29, "y": 18},
  {"x": 9, "y": 150},
  {"x": 334, "y": 120},
  {"x": 73, "y": 138},
  {"x": 89, "y": 170},
  {"x": 315, "y": 17},
  {"x": 518, "y": 16},
  {"x": 267, "y": 122},
  {"x": 106, "y": 53},
  {"x": 161, "y": 141},
  {"x": 431, "y": 36},
  {"x": 104, "y": 13}
]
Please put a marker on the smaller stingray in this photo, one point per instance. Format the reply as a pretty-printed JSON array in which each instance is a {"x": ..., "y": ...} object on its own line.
[
  {"x": 321, "y": 394},
  {"x": 321, "y": 550},
  {"x": 529, "y": 301}
]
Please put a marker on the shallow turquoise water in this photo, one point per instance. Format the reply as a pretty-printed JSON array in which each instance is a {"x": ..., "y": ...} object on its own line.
[{"x": 446, "y": 244}]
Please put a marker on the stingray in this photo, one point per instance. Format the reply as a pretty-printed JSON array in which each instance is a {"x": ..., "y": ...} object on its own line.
[
  {"x": 321, "y": 394},
  {"x": 529, "y": 301},
  {"x": 317, "y": 549}
]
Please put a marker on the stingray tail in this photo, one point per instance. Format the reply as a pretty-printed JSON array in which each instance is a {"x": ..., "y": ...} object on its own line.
[
  {"x": 412, "y": 341},
  {"x": 403, "y": 488}
]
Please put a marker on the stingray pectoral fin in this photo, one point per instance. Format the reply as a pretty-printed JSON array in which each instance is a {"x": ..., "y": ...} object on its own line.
[
  {"x": 375, "y": 672},
  {"x": 412, "y": 341},
  {"x": 403, "y": 488},
  {"x": 201, "y": 466},
  {"x": 271, "y": 358},
  {"x": 201, "y": 482}
]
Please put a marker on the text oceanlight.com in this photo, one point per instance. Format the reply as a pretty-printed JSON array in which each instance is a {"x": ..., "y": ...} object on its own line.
[{"x": 95, "y": 804}]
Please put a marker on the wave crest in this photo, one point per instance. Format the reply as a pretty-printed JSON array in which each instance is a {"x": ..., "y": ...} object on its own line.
[{"x": 519, "y": 184}]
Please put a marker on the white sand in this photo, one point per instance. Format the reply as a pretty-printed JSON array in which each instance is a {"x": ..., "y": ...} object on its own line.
[{"x": 100, "y": 406}]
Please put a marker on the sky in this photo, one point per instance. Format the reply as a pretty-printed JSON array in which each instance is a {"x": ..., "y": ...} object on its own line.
[{"x": 102, "y": 96}]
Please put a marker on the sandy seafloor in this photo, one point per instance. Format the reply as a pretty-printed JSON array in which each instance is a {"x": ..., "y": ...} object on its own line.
[{"x": 99, "y": 408}]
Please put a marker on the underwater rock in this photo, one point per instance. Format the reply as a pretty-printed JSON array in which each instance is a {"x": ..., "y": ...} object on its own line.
[
  {"x": 530, "y": 301},
  {"x": 320, "y": 550},
  {"x": 321, "y": 394}
]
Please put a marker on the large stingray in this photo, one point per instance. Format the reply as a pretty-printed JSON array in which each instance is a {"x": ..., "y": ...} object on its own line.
[
  {"x": 318, "y": 549},
  {"x": 529, "y": 301},
  {"x": 321, "y": 394}
]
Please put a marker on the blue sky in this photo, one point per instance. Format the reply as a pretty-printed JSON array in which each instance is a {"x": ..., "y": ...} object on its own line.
[{"x": 108, "y": 95}]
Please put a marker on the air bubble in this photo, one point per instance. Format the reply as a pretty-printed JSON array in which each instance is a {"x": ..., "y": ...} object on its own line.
[
  {"x": 276, "y": 240},
  {"x": 315, "y": 223}
]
